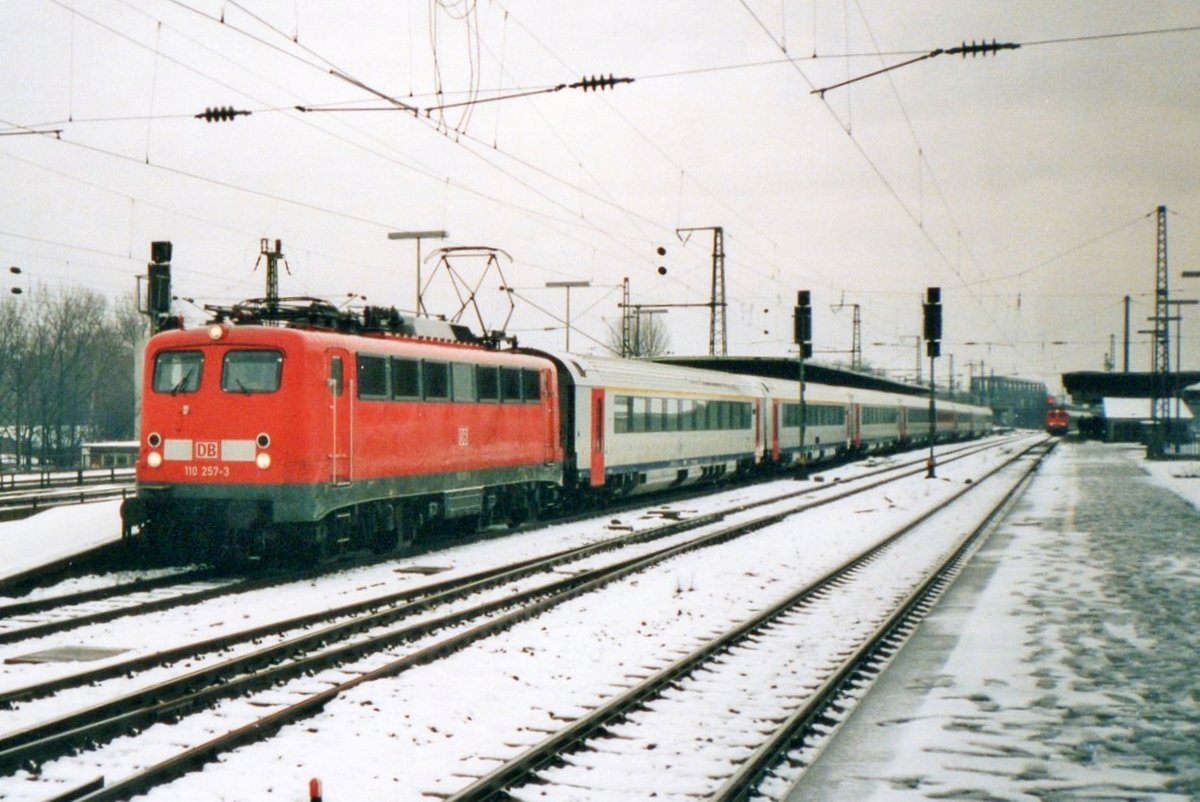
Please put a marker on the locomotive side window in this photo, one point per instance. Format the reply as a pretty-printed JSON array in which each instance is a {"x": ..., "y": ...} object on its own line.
[
  {"x": 463, "y": 381},
  {"x": 436, "y": 379},
  {"x": 406, "y": 378},
  {"x": 372, "y": 377},
  {"x": 510, "y": 384},
  {"x": 531, "y": 386},
  {"x": 178, "y": 371},
  {"x": 487, "y": 383},
  {"x": 251, "y": 371}
]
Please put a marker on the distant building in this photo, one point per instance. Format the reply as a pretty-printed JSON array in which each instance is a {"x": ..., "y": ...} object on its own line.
[
  {"x": 1016, "y": 402},
  {"x": 112, "y": 454}
]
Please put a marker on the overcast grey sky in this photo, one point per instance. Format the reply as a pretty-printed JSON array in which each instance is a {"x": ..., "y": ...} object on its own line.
[{"x": 1024, "y": 183}]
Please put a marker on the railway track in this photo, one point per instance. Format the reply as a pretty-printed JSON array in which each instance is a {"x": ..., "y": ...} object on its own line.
[
  {"x": 742, "y": 679},
  {"x": 61, "y": 613},
  {"x": 360, "y": 645}
]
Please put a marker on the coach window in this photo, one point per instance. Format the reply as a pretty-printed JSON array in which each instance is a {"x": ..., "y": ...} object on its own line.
[
  {"x": 687, "y": 414},
  {"x": 487, "y": 383},
  {"x": 658, "y": 420},
  {"x": 531, "y": 385},
  {"x": 251, "y": 371},
  {"x": 406, "y": 379},
  {"x": 621, "y": 414},
  {"x": 435, "y": 377},
  {"x": 372, "y": 377},
  {"x": 178, "y": 371},
  {"x": 463, "y": 381},
  {"x": 638, "y": 414},
  {"x": 713, "y": 409},
  {"x": 510, "y": 384}
]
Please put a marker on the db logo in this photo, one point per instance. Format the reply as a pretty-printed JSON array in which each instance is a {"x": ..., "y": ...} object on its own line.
[{"x": 206, "y": 449}]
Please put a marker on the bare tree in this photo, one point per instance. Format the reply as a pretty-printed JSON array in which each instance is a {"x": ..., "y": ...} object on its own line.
[
  {"x": 66, "y": 373},
  {"x": 647, "y": 338}
]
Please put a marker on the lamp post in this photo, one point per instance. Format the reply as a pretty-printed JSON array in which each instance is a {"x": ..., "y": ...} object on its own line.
[
  {"x": 418, "y": 236},
  {"x": 566, "y": 286},
  {"x": 1179, "y": 348},
  {"x": 17, "y": 366}
]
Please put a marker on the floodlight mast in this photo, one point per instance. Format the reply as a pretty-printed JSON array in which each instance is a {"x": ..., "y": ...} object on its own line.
[{"x": 418, "y": 236}]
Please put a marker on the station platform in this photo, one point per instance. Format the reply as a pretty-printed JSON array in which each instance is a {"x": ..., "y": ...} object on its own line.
[
  {"x": 55, "y": 537},
  {"x": 1061, "y": 663}
]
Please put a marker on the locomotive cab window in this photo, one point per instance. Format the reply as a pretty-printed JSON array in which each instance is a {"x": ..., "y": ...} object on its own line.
[
  {"x": 178, "y": 371},
  {"x": 335, "y": 376},
  {"x": 251, "y": 371}
]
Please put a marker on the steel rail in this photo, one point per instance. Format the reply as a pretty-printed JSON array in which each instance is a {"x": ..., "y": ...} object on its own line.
[
  {"x": 100, "y": 594},
  {"x": 34, "y": 745},
  {"x": 888, "y": 640},
  {"x": 521, "y": 768},
  {"x": 468, "y": 584}
]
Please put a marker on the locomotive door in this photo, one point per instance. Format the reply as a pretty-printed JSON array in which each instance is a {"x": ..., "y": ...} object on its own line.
[
  {"x": 596, "y": 478},
  {"x": 340, "y": 389}
]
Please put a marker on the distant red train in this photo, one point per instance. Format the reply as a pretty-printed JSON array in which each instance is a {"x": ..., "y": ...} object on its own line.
[{"x": 1058, "y": 421}]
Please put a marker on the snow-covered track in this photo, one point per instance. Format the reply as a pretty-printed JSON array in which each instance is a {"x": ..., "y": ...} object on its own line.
[
  {"x": 773, "y": 684},
  {"x": 34, "y": 619},
  {"x": 313, "y": 652}
]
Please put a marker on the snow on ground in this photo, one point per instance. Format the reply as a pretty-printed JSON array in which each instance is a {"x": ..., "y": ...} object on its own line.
[
  {"x": 429, "y": 729},
  {"x": 1061, "y": 666},
  {"x": 57, "y": 533}
]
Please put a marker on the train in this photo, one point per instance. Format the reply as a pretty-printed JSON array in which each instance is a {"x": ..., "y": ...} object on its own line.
[
  {"x": 1058, "y": 421},
  {"x": 290, "y": 428}
]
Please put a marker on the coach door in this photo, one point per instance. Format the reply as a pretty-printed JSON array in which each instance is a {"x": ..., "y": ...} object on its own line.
[
  {"x": 759, "y": 450},
  {"x": 774, "y": 430},
  {"x": 341, "y": 393},
  {"x": 597, "y": 472},
  {"x": 854, "y": 426}
]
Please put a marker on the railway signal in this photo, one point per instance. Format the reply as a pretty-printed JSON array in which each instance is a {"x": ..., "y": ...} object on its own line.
[
  {"x": 803, "y": 337},
  {"x": 803, "y": 324},
  {"x": 933, "y": 322},
  {"x": 158, "y": 286},
  {"x": 933, "y": 348}
]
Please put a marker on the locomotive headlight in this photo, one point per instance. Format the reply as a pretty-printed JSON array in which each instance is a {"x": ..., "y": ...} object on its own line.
[
  {"x": 263, "y": 461},
  {"x": 154, "y": 459},
  {"x": 216, "y": 332}
]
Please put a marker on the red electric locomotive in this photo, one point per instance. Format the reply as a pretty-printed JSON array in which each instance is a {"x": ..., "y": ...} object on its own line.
[
  {"x": 1058, "y": 421},
  {"x": 259, "y": 438}
]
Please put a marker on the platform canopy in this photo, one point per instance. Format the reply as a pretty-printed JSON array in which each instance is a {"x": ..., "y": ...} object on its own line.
[{"x": 1090, "y": 387}]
